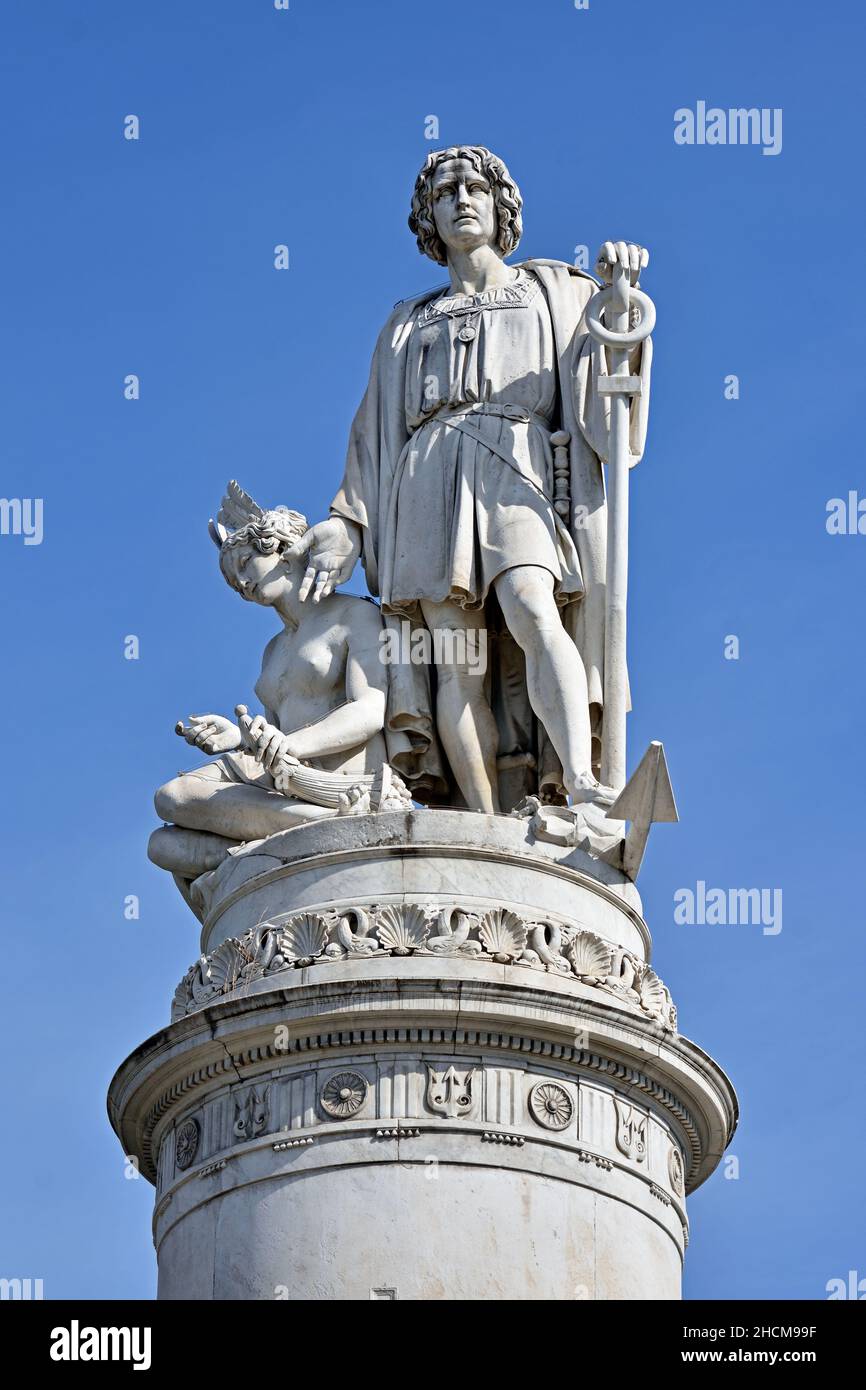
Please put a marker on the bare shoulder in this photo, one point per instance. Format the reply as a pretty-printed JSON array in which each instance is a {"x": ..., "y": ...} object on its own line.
[
  {"x": 271, "y": 646},
  {"x": 361, "y": 616}
]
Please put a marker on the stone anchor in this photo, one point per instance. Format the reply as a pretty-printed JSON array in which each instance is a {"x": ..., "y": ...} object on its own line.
[{"x": 422, "y": 1050}]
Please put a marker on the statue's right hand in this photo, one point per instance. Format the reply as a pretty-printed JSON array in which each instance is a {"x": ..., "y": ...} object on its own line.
[
  {"x": 332, "y": 548},
  {"x": 212, "y": 733}
]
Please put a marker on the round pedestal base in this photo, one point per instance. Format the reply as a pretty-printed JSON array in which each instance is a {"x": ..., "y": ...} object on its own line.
[{"x": 439, "y": 1102}]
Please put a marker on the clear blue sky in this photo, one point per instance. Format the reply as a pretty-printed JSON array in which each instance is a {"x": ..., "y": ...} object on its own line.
[{"x": 261, "y": 127}]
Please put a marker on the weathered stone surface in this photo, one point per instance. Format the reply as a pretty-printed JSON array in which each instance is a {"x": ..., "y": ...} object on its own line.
[
  {"x": 420, "y": 856},
  {"x": 424, "y": 1053},
  {"x": 347, "y": 1107}
]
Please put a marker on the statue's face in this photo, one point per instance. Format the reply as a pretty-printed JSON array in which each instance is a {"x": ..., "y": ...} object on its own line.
[
  {"x": 260, "y": 578},
  {"x": 464, "y": 209}
]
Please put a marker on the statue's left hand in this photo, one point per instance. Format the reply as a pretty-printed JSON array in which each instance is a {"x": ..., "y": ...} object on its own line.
[
  {"x": 266, "y": 742},
  {"x": 212, "y": 733},
  {"x": 625, "y": 253}
]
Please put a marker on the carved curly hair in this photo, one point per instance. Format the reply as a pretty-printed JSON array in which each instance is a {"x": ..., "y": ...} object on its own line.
[
  {"x": 506, "y": 197},
  {"x": 272, "y": 534}
]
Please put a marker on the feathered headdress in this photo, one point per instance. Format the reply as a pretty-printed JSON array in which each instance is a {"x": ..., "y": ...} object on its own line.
[{"x": 238, "y": 511}]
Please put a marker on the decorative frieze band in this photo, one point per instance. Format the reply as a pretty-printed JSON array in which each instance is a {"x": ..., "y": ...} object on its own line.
[
  {"x": 547, "y": 1099},
  {"x": 469, "y": 1038},
  {"x": 409, "y": 929},
  {"x": 455, "y": 1093}
]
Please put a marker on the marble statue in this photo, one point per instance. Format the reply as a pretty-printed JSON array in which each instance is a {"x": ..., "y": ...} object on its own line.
[
  {"x": 485, "y": 491},
  {"x": 423, "y": 951},
  {"x": 474, "y": 494},
  {"x": 319, "y": 748}
]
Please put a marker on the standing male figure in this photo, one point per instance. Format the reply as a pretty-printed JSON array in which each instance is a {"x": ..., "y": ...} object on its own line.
[{"x": 448, "y": 495}]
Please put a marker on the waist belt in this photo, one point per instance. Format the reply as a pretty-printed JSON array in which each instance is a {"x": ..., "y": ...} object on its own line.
[
  {"x": 455, "y": 416},
  {"x": 508, "y": 412}
]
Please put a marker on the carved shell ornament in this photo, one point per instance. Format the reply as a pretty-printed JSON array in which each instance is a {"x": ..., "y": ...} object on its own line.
[
  {"x": 301, "y": 940},
  {"x": 503, "y": 934},
  {"x": 551, "y": 1105},
  {"x": 401, "y": 929},
  {"x": 404, "y": 929},
  {"x": 343, "y": 1094},
  {"x": 186, "y": 1144},
  {"x": 589, "y": 956}
]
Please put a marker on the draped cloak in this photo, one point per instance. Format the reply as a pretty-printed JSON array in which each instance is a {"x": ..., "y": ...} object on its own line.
[{"x": 378, "y": 437}]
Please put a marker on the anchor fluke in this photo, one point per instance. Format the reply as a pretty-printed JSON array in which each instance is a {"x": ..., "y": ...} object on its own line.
[{"x": 647, "y": 797}]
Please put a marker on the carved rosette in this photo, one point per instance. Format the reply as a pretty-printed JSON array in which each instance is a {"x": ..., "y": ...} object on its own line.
[
  {"x": 404, "y": 929},
  {"x": 186, "y": 1144},
  {"x": 343, "y": 1094},
  {"x": 550, "y": 1105}
]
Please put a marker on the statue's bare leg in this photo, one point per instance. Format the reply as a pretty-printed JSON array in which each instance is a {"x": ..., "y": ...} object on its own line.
[
  {"x": 231, "y": 809},
  {"x": 556, "y": 680},
  {"x": 464, "y": 719},
  {"x": 187, "y": 853}
]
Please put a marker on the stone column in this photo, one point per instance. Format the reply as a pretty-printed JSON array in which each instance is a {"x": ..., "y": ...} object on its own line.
[{"x": 422, "y": 1057}]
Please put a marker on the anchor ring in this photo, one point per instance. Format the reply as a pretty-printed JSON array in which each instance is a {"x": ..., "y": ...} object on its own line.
[{"x": 634, "y": 335}]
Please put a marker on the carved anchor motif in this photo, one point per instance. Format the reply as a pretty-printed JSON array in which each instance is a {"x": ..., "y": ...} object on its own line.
[
  {"x": 449, "y": 1092},
  {"x": 676, "y": 1172},
  {"x": 251, "y": 1113},
  {"x": 630, "y": 1131}
]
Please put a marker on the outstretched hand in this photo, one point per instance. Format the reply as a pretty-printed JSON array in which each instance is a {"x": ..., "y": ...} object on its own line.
[
  {"x": 332, "y": 548},
  {"x": 212, "y": 733}
]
